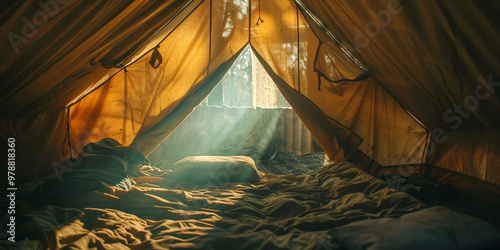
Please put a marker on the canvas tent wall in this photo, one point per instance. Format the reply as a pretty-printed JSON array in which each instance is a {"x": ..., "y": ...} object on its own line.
[
  {"x": 74, "y": 72},
  {"x": 192, "y": 68}
]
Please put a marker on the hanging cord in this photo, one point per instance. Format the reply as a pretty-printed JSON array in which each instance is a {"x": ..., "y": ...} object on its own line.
[
  {"x": 314, "y": 65},
  {"x": 319, "y": 82},
  {"x": 260, "y": 19},
  {"x": 64, "y": 141},
  {"x": 67, "y": 136}
]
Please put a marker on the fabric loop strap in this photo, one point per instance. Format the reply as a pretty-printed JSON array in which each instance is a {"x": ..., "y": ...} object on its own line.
[{"x": 156, "y": 59}]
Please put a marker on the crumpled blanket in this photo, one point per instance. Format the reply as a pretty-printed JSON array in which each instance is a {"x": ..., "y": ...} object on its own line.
[
  {"x": 105, "y": 162},
  {"x": 279, "y": 212}
]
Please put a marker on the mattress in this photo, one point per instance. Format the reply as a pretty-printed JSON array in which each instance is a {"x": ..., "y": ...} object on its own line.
[{"x": 334, "y": 207}]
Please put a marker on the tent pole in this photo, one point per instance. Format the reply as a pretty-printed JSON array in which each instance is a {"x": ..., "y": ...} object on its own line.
[
  {"x": 298, "y": 46},
  {"x": 249, "y": 21},
  {"x": 210, "y": 40}
]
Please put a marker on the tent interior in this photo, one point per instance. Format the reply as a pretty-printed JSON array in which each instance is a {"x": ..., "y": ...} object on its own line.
[{"x": 252, "y": 124}]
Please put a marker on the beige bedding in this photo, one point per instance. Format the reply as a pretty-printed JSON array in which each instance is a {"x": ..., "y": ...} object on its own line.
[{"x": 279, "y": 212}]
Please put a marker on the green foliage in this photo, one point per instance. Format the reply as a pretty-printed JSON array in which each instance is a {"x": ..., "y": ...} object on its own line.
[{"x": 235, "y": 89}]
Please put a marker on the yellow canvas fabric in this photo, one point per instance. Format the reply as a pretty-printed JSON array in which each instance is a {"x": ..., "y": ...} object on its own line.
[
  {"x": 437, "y": 59},
  {"x": 425, "y": 88}
]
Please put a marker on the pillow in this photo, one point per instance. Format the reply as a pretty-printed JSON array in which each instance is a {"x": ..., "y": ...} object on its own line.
[
  {"x": 431, "y": 228},
  {"x": 215, "y": 170}
]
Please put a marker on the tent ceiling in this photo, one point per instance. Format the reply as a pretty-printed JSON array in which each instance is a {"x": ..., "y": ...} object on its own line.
[
  {"x": 50, "y": 45},
  {"x": 432, "y": 57}
]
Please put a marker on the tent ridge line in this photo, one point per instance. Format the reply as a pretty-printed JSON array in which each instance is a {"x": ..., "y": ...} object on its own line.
[
  {"x": 78, "y": 99},
  {"x": 163, "y": 26},
  {"x": 167, "y": 23},
  {"x": 307, "y": 12},
  {"x": 121, "y": 65}
]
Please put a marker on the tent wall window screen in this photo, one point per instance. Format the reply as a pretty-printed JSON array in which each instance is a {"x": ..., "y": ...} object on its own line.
[{"x": 247, "y": 84}]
